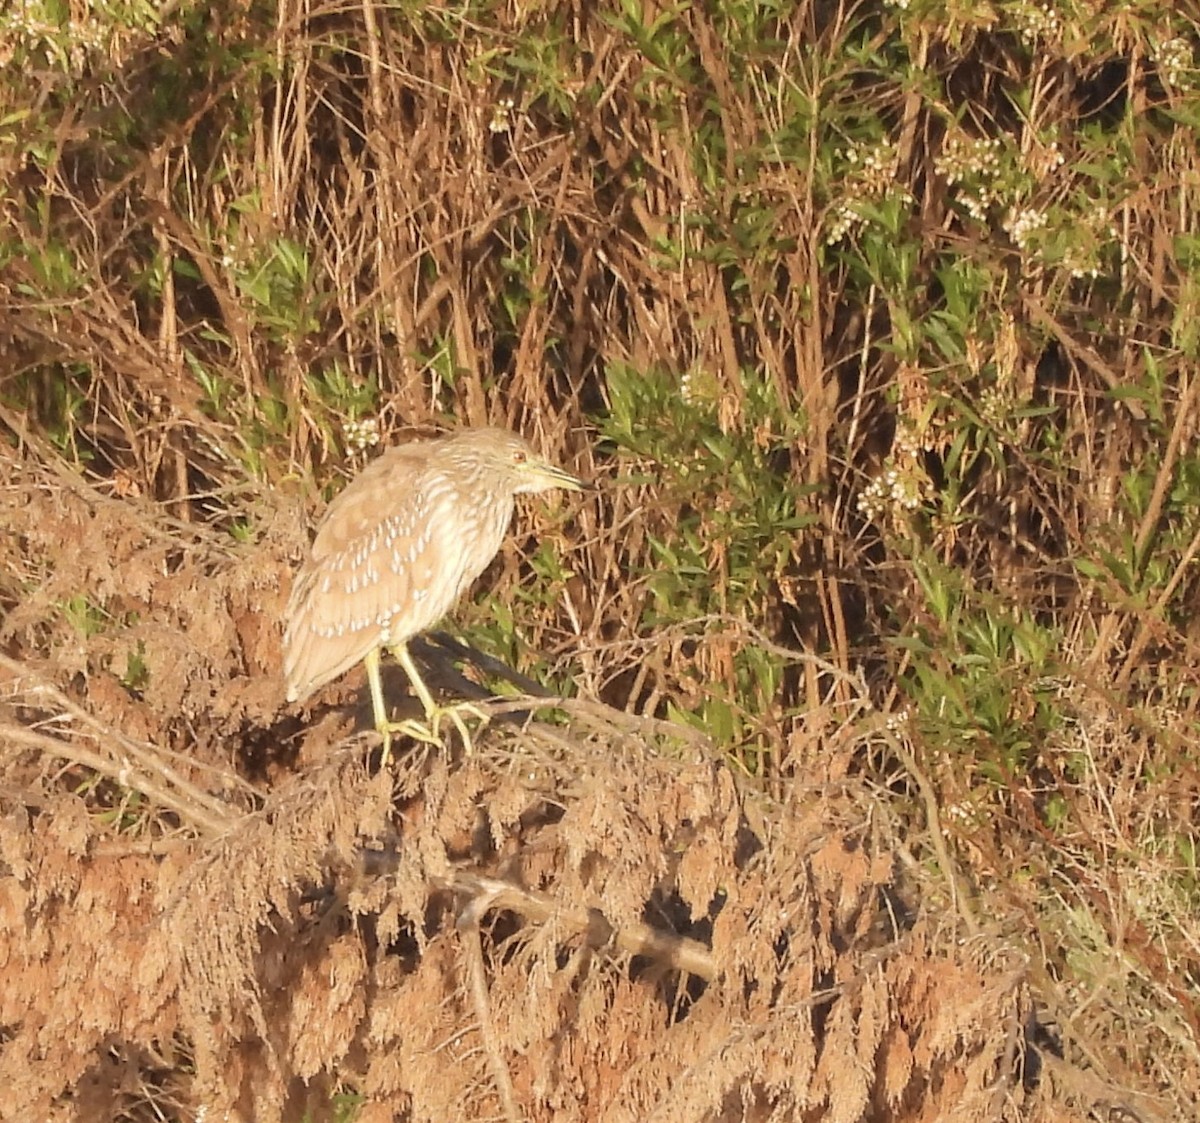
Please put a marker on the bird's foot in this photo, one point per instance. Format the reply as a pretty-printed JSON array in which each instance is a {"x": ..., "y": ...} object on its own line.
[
  {"x": 427, "y": 731},
  {"x": 455, "y": 714}
]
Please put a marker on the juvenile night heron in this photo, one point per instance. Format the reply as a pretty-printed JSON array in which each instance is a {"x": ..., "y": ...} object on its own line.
[{"x": 395, "y": 551}]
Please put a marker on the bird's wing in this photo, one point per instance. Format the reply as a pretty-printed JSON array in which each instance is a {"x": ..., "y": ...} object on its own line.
[
  {"x": 367, "y": 581},
  {"x": 391, "y": 483}
]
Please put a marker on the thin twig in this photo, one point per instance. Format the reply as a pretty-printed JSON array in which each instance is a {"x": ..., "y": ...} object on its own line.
[
  {"x": 472, "y": 945},
  {"x": 118, "y": 771},
  {"x": 148, "y": 755},
  {"x": 933, "y": 825},
  {"x": 678, "y": 952}
]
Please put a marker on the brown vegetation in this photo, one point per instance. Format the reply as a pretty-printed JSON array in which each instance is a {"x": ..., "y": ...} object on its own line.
[
  {"x": 866, "y": 804},
  {"x": 659, "y": 939}
]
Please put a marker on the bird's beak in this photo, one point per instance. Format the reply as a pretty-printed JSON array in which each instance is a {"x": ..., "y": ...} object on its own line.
[{"x": 547, "y": 475}]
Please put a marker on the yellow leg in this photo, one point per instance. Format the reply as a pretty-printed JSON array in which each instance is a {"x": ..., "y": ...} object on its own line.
[
  {"x": 434, "y": 712},
  {"x": 382, "y": 725},
  {"x": 400, "y": 650}
]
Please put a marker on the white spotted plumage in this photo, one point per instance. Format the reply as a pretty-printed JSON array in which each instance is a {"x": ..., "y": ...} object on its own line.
[{"x": 399, "y": 546}]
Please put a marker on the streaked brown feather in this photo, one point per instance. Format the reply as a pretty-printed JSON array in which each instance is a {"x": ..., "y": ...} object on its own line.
[
  {"x": 387, "y": 563},
  {"x": 397, "y": 548}
]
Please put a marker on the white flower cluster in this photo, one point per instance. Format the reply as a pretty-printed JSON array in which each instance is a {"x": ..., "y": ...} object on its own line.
[
  {"x": 872, "y": 175},
  {"x": 1038, "y": 22},
  {"x": 1174, "y": 59},
  {"x": 1023, "y": 224},
  {"x": 975, "y": 163},
  {"x": 994, "y": 404},
  {"x": 24, "y": 23},
  {"x": 960, "y": 812},
  {"x": 962, "y": 158},
  {"x": 843, "y": 221},
  {"x": 876, "y": 166},
  {"x": 1083, "y": 257},
  {"x": 501, "y": 120},
  {"x": 897, "y": 721},
  {"x": 362, "y": 434},
  {"x": 901, "y": 486}
]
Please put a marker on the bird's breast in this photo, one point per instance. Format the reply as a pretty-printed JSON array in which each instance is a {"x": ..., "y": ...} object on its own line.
[{"x": 436, "y": 563}]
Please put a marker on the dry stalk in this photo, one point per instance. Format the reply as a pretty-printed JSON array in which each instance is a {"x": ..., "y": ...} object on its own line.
[
  {"x": 468, "y": 920},
  {"x": 139, "y": 766},
  {"x": 195, "y": 812},
  {"x": 676, "y": 952}
]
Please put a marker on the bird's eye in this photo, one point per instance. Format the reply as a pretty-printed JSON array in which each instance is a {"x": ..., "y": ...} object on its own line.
[{"x": 520, "y": 456}]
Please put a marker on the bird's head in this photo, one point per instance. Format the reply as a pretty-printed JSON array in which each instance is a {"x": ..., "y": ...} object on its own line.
[{"x": 511, "y": 461}]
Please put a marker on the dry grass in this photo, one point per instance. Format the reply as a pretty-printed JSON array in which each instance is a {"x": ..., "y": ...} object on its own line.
[
  {"x": 860, "y": 809},
  {"x": 660, "y": 939}
]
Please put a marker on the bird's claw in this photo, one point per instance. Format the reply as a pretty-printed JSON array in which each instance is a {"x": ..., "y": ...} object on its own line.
[{"x": 427, "y": 731}]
